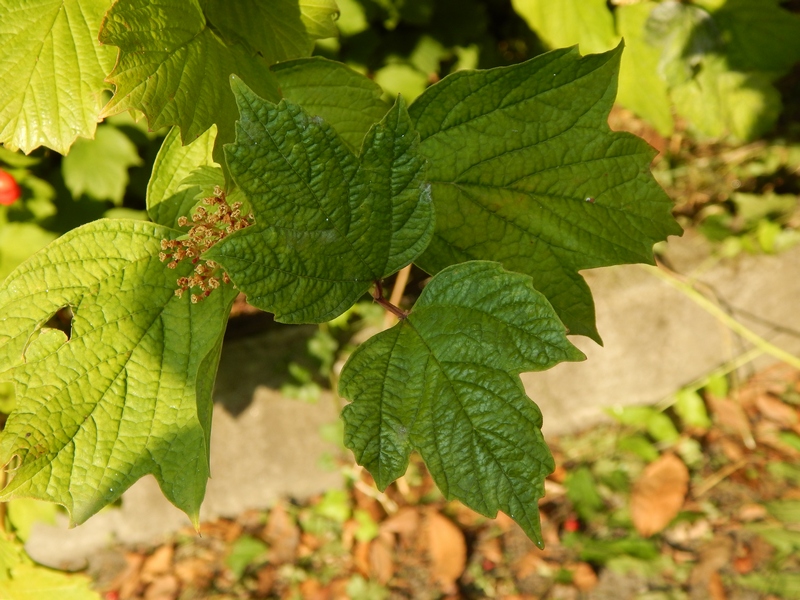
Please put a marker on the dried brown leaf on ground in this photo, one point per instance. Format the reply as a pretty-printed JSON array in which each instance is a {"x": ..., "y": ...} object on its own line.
[
  {"x": 776, "y": 411},
  {"x": 583, "y": 577},
  {"x": 658, "y": 494},
  {"x": 704, "y": 581},
  {"x": 282, "y": 535},
  {"x": 447, "y": 550},
  {"x": 157, "y": 563},
  {"x": 381, "y": 558},
  {"x": 729, "y": 415}
]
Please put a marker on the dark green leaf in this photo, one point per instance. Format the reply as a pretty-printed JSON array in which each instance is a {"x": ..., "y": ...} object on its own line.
[
  {"x": 526, "y": 171},
  {"x": 328, "y": 223},
  {"x": 347, "y": 100},
  {"x": 445, "y": 381}
]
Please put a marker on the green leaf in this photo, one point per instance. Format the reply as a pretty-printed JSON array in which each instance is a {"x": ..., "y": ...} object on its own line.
[
  {"x": 445, "y": 381},
  {"x": 784, "y": 585},
  {"x": 569, "y": 22},
  {"x": 641, "y": 89},
  {"x": 582, "y": 492},
  {"x": 403, "y": 79},
  {"x": 347, "y": 100},
  {"x": 691, "y": 409},
  {"x": 32, "y": 582},
  {"x": 99, "y": 167},
  {"x": 245, "y": 550},
  {"x": 175, "y": 69},
  {"x": 53, "y": 71},
  {"x": 168, "y": 195},
  {"x": 328, "y": 223},
  {"x": 128, "y": 393},
  {"x": 719, "y": 101},
  {"x": 18, "y": 241},
  {"x": 23, "y": 513},
  {"x": 759, "y": 34},
  {"x": 525, "y": 171},
  {"x": 279, "y": 29}
]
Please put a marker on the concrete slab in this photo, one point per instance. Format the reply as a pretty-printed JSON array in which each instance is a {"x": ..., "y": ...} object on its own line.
[{"x": 656, "y": 340}]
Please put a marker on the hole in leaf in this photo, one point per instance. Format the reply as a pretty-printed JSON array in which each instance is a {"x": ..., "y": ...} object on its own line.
[{"x": 62, "y": 320}]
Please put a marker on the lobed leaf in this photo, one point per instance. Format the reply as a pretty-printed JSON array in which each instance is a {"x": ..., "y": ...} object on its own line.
[
  {"x": 53, "y": 69},
  {"x": 641, "y": 89},
  {"x": 175, "y": 68},
  {"x": 168, "y": 194},
  {"x": 569, "y": 22},
  {"x": 347, "y": 100},
  {"x": 279, "y": 29},
  {"x": 526, "y": 171},
  {"x": 445, "y": 381},
  {"x": 99, "y": 167},
  {"x": 759, "y": 35},
  {"x": 328, "y": 223},
  {"x": 128, "y": 392}
]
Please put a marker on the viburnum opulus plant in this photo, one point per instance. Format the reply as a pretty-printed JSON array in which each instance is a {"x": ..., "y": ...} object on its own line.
[{"x": 289, "y": 179}]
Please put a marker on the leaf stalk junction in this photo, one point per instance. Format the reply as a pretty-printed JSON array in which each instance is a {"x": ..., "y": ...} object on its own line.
[{"x": 377, "y": 294}]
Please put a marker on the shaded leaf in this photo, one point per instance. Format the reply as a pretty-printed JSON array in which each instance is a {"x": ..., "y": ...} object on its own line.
[
  {"x": 130, "y": 392},
  {"x": 245, "y": 551},
  {"x": 99, "y": 167},
  {"x": 760, "y": 35},
  {"x": 568, "y": 22},
  {"x": 516, "y": 152},
  {"x": 279, "y": 29},
  {"x": 641, "y": 89},
  {"x": 327, "y": 223},
  {"x": 445, "y": 381},
  {"x": 175, "y": 69},
  {"x": 23, "y": 513},
  {"x": 719, "y": 101},
  {"x": 658, "y": 494},
  {"x": 447, "y": 549},
  {"x": 53, "y": 71},
  {"x": 347, "y": 100},
  {"x": 169, "y": 196}
]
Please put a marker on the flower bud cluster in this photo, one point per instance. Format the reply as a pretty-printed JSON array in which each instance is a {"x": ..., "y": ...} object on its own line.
[{"x": 209, "y": 224}]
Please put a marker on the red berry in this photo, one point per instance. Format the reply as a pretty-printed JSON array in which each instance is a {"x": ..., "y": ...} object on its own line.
[
  {"x": 571, "y": 525},
  {"x": 9, "y": 190}
]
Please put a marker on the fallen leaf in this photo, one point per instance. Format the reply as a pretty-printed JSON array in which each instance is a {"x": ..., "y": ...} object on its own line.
[
  {"x": 131, "y": 583},
  {"x": 157, "y": 563},
  {"x": 776, "y": 411},
  {"x": 716, "y": 590},
  {"x": 165, "y": 587},
  {"x": 489, "y": 548},
  {"x": 743, "y": 564},
  {"x": 361, "y": 558},
  {"x": 752, "y": 512},
  {"x": 583, "y": 577},
  {"x": 658, "y": 494},
  {"x": 194, "y": 572},
  {"x": 447, "y": 550},
  {"x": 732, "y": 450},
  {"x": 729, "y": 415},
  {"x": 381, "y": 558},
  {"x": 529, "y": 564},
  {"x": 265, "y": 579},
  {"x": 404, "y": 523},
  {"x": 311, "y": 589},
  {"x": 704, "y": 579},
  {"x": 282, "y": 535}
]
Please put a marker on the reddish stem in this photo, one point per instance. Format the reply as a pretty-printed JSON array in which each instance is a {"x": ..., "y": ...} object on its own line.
[{"x": 377, "y": 294}]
